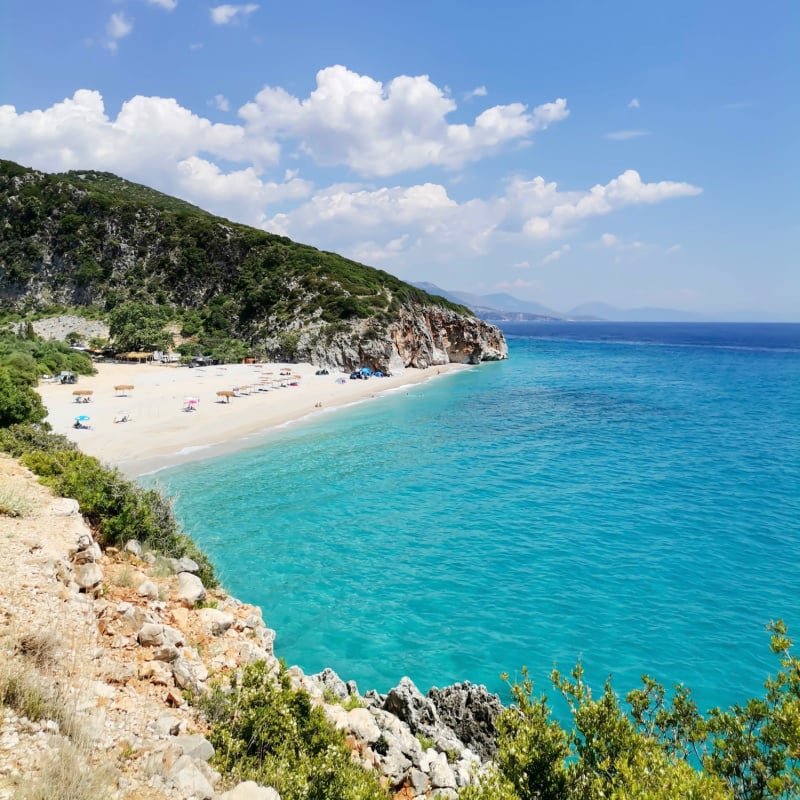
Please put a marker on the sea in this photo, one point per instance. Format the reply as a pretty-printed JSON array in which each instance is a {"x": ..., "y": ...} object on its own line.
[{"x": 623, "y": 495}]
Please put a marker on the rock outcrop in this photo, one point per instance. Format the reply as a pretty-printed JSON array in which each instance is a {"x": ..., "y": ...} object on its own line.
[{"x": 117, "y": 660}]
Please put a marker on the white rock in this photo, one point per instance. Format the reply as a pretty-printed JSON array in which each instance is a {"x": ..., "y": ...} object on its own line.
[
  {"x": 189, "y": 778},
  {"x": 87, "y": 575},
  {"x": 196, "y": 746},
  {"x": 148, "y": 589},
  {"x": 190, "y": 589},
  {"x": 363, "y": 726},
  {"x": 215, "y": 621},
  {"x": 64, "y": 507},
  {"x": 250, "y": 790},
  {"x": 133, "y": 547},
  {"x": 441, "y": 775}
]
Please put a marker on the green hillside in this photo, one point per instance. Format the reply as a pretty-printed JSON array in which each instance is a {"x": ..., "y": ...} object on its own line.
[{"x": 94, "y": 240}]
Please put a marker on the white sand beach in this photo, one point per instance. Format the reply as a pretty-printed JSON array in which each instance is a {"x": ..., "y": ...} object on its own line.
[{"x": 159, "y": 432}]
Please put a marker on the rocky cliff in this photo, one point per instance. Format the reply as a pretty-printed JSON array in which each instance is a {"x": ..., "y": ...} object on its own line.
[{"x": 99, "y": 651}]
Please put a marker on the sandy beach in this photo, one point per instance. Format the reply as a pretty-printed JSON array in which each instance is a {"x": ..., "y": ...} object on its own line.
[{"x": 159, "y": 432}]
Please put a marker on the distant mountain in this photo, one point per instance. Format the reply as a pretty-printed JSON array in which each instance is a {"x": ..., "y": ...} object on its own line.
[
  {"x": 614, "y": 314},
  {"x": 495, "y": 307}
]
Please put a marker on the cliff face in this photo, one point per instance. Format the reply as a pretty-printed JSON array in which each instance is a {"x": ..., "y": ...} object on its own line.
[
  {"x": 420, "y": 337},
  {"x": 93, "y": 239}
]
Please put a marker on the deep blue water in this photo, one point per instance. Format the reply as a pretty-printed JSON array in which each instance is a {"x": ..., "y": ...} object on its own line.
[{"x": 627, "y": 494}]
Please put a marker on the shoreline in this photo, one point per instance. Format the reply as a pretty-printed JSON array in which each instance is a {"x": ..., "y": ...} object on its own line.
[{"x": 160, "y": 434}]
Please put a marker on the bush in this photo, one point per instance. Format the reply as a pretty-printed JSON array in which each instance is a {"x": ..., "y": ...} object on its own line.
[
  {"x": 263, "y": 730},
  {"x": 19, "y": 403},
  {"x": 118, "y": 509}
]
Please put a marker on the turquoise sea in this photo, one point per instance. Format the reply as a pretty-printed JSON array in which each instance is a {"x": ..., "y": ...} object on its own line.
[{"x": 625, "y": 494}]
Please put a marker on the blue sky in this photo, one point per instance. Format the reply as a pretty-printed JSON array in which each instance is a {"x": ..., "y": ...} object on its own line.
[{"x": 627, "y": 152}]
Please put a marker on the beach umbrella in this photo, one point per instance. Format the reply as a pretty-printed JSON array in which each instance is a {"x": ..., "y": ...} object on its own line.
[{"x": 83, "y": 418}]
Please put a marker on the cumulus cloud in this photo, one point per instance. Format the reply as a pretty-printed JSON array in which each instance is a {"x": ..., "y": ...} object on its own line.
[
  {"x": 381, "y": 129},
  {"x": 634, "y": 103},
  {"x": 226, "y": 14},
  {"x": 153, "y": 140},
  {"x": 168, "y": 5},
  {"x": 623, "y": 136},
  {"x": 521, "y": 265},
  {"x": 626, "y": 190},
  {"x": 556, "y": 254},
  {"x": 225, "y": 167},
  {"x": 117, "y": 27}
]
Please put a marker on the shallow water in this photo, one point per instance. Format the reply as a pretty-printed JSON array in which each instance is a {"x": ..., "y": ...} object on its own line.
[{"x": 625, "y": 494}]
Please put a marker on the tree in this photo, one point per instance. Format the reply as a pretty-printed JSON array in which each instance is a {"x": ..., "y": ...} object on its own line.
[
  {"x": 140, "y": 327},
  {"x": 18, "y": 402}
]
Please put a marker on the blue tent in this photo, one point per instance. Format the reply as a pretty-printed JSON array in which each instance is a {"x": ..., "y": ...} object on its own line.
[{"x": 365, "y": 371}]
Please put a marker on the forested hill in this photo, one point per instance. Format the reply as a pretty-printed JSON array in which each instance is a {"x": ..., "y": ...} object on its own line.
[{"x": 93, "y": 239}]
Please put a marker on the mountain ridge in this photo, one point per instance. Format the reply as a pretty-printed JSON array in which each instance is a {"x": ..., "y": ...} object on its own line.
[{"x": 92, "y": 239}]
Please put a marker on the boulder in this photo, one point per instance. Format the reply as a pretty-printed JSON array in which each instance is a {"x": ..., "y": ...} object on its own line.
[
  {"x": 441, "y": 774},
  {"x": 471, "y": 712},
  {"x": 215, "y": 621},
  {"x": 133, "y": 547},
  {"x": 196, "y": 746},
  {"x": 407, "y": 703},
  {"x": 64, "y": 507},
  {"x": 148, "y": 589},
  {"x": 190, "y": 779},
  {"x": 190, "y": 589},
  {"x": 250, "y": 790},
  {"x": 329, "y": 680},
  {"x": 184, "y": 564},
  {"x": 363, "y": 725},
  {"x": 153, "y": 634},
  {"x": 87, "y": 575}
]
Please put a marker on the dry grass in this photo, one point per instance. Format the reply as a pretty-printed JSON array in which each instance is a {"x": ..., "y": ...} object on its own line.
[
  {"x": 14, "y": 503},
  {"x": 66, "y": 775}
]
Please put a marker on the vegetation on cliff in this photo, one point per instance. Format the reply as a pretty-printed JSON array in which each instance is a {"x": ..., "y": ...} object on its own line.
[{"x": 93, "y": 240}]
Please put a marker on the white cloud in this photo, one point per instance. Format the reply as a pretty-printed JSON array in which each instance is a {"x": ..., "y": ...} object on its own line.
[
  {"x": 117, "y": 27},
  {"x": 478, "y": 91},
  {"x": 556, "y": 254},
  {"x": 241, "y": 194},
  {"x": 675, "y": 248},
  {"x": 224, "y": 168},
  {"x": 609, "y": 240},
  {"x": 158, "y": 131},
  {"x": 381, "y": 129},
  {"x": 634, "y": 103},
  {"x": 221, "y": 102},
  {"x": 622, "y": 136},
  {"x": 168, "y": 5},
  {"x": 377, "y": 254},
  {"x": 226, "y": 14},
  {"x": 625, "y": 190}
]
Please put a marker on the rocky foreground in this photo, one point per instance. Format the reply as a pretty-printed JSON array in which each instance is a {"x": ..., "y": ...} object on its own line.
[{"x": 101, "y": 648}]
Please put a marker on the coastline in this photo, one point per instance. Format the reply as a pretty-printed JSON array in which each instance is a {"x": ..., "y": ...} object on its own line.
[{"x": 159, "y": 433}]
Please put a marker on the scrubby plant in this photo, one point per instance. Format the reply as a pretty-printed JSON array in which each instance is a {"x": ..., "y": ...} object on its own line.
[{"x": 266, "y": 731}]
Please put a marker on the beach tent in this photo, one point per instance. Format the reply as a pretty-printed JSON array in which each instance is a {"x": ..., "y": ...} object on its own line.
[{"x": 365, "y": 371}]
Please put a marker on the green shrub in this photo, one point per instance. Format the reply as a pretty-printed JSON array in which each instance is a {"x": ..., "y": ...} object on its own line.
[
  {"x": 263, "y": 730},
  {"x": 118, "y": 509}
]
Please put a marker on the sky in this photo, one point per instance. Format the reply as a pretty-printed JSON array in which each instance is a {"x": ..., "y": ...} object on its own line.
[{"x": 628, "y": 152}]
